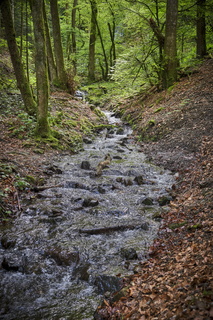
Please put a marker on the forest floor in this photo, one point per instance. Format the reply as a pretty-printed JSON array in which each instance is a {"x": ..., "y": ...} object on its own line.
[{"x": 175, "y": 129}]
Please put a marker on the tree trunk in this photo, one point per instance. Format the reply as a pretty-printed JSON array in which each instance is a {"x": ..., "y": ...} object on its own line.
[
  {"x": 59, "y": 58},
  {"x": 92, "y": 40},
  {"x": 201, "y": 29},
  {"x": 42, "y": 80},
  {"x": 50, "y": 57},
  {"x": 22, "y": 82},
  {"x": 112, "y": 49},
  {"x": 170, "y": 51},
  {"x": 74, "y": 47},
  {"x": 105, "y": 74}
]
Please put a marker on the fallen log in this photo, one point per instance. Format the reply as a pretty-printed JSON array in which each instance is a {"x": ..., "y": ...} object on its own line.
[{"x": 105, "y": 230}]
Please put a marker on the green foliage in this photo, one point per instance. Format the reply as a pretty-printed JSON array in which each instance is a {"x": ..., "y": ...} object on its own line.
[
  {"x": 24, "y": 128},
  {"x": 21, "y": 184}
]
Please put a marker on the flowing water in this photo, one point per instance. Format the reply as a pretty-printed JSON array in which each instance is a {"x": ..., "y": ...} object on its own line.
[{"x": 64, "y": 252}]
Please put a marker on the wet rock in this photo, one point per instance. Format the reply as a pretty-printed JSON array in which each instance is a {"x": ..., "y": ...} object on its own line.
[
  {"x": 63, "y": 258},
  {"x": 90, "y": 202},
  {"x": 139, "y": 180},
  {"x": 110, "y": 132},
  {"x": 81, "y": 270},
  {"x": 8, "y": 266},
  {"x": 53, "y": 170},
  {"x": 157, "y": 216},
  {"x": 164, "y": 200},
  {"x": 76, "y": 185},
  {"x": 7, "y": 243},
  {"x": 120, "y": 130},
  {"x": 148, "y": 202},
  {"x": 117, "y": 157},
  {"x": 101, "y": 189},
  {"x": 131, "y": 173},
  {"x": 128, "y": 182},
  {"x": 106, "y": 283},
  {"x": 120, "y": 150},
  {"x": 145, "y": 226},
  {"x": 85, "y": 165},
  {"x": 129, "y": 253},
  {"x": 87, "y": 140}
]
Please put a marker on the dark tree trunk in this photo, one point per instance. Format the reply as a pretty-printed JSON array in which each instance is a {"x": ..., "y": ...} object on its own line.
[
  {"x": 170, "y": 50},
  {"x": 113, "y": 48},
  {"x": 59, "y": 57},
  {"x": 50, "y": 56},
  {"x": 105, "y": 74},
  {"x": 42, "y": 79},
  {"x": 92, "y": 40},
  {"x": 74, "y": 47},
  {"x": 22, "y": 82},
  {"x": 201, "y": 29}
]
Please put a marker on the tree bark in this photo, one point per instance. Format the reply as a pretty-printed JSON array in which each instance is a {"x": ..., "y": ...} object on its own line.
[
  {"x": 74, "y": 46},
  {"x": 22, "y": 82},
  {"x": 59, "y": 57},
  {"x": 42, "y": 79},
  {"x": 50, "y": 56},
  {"x": 201, "y": 29},
  {"x": 92, "y": 40},
  {"x": 170, "y": 50}
]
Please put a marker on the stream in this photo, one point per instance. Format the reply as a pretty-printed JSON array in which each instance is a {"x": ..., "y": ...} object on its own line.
[{"x": 64, "y": 252}]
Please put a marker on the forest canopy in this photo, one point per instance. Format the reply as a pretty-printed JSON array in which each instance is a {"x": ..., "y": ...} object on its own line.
[{"x": 129, "y": 44}]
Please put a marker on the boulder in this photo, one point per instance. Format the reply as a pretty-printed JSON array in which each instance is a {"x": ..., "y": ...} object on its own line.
[
  {"x": 85, "y": 165},
  {"x": 105, "y": 283}
]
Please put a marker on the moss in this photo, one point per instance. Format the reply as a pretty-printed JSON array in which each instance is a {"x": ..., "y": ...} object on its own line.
[
  {"x": 99, "y": 113},
  {"x": 151, "y": 123},
  {"x": 86, "y": 126},
  {"x": 159, "y": 109},
  {"x": 195, "y": 227},
  {"x": 31, "y": 179},
  {"x": 71, "y": 123},
  {"x": 177, "y": 225}
]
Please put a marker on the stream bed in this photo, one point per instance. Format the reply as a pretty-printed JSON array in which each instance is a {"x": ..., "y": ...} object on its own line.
[{"x": 66, "y": 249}]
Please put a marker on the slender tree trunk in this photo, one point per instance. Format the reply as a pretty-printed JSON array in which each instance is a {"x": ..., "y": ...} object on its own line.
[
  {"x": 161, "y": 41},
  {"x": 50, "y": 56},
  {"x": 113, "y": 48},
  {"x": 92, "y": 40},
  {"x": 27, "y": 43},
  {"x": 22, "y": 19},
  {"x": 42, "y": 80},
  {"x": 22, "y": 82},
  {"x": 201, "y": 29},
  {"x": 170, "y": 51},
  {"x": 105, "y": 75},
  {"x": 74, "y": 46},
  {"x": 59, "y": 57}
]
